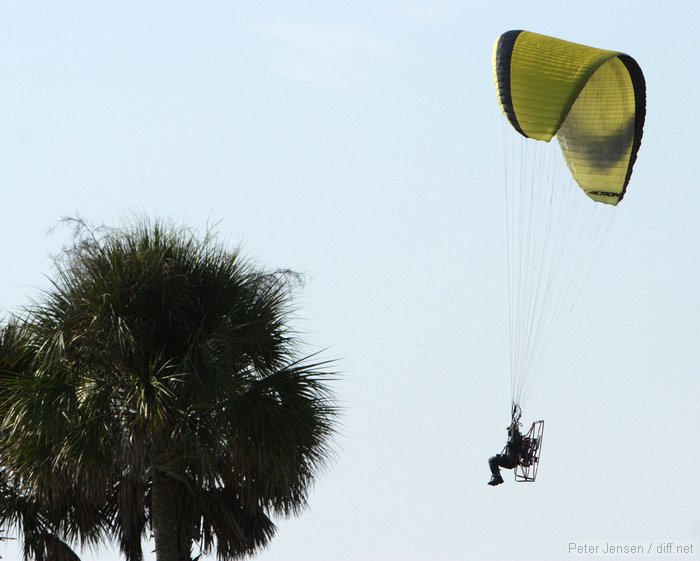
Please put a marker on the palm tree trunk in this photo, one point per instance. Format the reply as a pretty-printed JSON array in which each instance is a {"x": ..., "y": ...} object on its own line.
[{"x": 170, "y": 543}]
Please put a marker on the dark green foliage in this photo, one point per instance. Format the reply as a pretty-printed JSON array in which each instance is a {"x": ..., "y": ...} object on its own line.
[{"x": 159, "y": 357}]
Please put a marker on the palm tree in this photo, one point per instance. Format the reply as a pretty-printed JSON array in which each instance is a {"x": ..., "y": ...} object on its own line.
[
  {"x": 163, "y": 390},
  {"x": 21, "y": 506}
]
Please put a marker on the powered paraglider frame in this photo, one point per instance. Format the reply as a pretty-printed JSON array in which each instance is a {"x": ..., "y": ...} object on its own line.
[{"x": 528, "y": 459}]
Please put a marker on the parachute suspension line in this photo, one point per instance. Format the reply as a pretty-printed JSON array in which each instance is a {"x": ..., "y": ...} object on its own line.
[
  {"x": 513, "y": 176},
  {"x": 554, "y": 236},
  {"x": 509, "y": 157},
  {"x": 589, "y": 229},
  {"x": 538, "y": 239},
  {"x": 523, "y": 192}
]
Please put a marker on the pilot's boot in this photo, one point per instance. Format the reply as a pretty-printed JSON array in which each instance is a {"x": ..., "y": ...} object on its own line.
[{"x": 495, "y": 480}]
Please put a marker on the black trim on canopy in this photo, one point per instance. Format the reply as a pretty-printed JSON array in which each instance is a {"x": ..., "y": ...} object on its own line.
[
  {"x": 504, "y": 54},
  {"x": 640, "y": 110}
]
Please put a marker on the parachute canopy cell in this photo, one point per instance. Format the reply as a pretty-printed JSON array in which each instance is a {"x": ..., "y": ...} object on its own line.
[{"x": 593, "y": 100}]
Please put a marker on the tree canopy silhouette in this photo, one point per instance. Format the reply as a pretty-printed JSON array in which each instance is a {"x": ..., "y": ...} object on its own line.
[{"x": 158, "y": 386}]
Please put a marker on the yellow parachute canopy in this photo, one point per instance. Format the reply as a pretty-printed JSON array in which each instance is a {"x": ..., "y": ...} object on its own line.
[{"x": 593, "y": 100}]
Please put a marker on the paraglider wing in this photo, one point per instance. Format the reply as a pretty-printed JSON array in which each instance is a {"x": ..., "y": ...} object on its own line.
[{"x": 592, "y": 99}]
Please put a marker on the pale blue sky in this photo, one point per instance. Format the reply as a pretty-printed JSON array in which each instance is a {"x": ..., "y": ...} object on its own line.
[{"x": 360, "y": 143}]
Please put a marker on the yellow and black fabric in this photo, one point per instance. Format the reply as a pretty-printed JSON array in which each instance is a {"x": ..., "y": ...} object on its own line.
[{"x": 593, "y": 100}]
